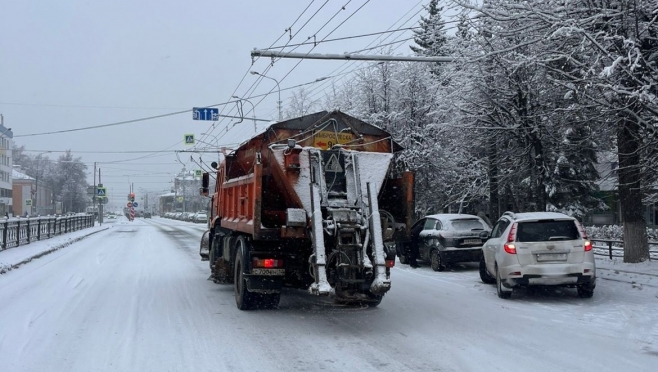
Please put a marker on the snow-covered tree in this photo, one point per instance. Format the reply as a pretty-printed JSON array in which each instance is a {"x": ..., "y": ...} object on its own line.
[
  {"x": 431, "y": 38},
  {"x": 601, "y": 58}
]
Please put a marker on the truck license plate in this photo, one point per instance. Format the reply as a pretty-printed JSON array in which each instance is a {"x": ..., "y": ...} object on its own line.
[{"x": 268, "y": 272}]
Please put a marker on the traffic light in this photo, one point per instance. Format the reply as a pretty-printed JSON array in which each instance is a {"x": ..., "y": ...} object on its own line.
[{"x": 131, "y": 197}]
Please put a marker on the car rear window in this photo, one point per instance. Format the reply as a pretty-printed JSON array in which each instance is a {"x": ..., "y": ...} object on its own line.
[
  {"x": 543, "y": 231},
  {"x": 467, "y": 224}
]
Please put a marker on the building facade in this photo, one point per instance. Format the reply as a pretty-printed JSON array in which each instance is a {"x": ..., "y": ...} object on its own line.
[
  {"x": 6, "y": 189},
  {"x": 22, "y": 190},
  {"x": 186, "y": 190}
]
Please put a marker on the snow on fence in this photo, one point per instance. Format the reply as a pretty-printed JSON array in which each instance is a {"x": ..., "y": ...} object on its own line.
[
  {"x": 15, "y": 232},
  {"x": 615, "y": 248}
]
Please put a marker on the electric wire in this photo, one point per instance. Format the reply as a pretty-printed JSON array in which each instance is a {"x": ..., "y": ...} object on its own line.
[{"x": 212, "y": 128}]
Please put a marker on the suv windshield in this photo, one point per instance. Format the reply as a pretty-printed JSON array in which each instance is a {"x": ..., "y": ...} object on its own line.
[
  {"x": 467, "y": 224},
  {"x": 541, "y": 231}
]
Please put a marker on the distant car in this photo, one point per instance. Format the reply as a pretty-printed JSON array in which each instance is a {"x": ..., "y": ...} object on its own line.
[
  {"x": 147, "y": 215},
  {"x": 200, "y": 217},
  {"x": 445, "y": 239},
  {"x": 541, "y": 248},
  {"x": 111, "y": 217}
]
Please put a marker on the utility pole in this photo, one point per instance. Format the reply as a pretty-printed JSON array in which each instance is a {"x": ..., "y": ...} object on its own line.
[
  {"x": 93, "y": 198},
  {"x": 100, "y": 205}
]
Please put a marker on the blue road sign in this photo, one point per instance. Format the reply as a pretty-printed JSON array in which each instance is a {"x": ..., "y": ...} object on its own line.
[
  {"x": 205, "y": 113},
  {"x": 135, "y": 204},
  {"x": 100, "y": 191}
]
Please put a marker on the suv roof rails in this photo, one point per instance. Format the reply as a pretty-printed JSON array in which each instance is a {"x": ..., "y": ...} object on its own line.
[{"x": 511, "y": 214}]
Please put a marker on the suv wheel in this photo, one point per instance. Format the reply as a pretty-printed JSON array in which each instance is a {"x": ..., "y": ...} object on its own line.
[
  {"x": 436, "y": 262},
  {"x": 502, "y": 293},
  {"x": 585, "y": 291},
  {"x": 484, "y": 274}
]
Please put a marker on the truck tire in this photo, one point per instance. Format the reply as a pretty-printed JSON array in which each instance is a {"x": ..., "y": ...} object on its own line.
[
  {"x": 221, "y": 269},
  {"x": 244, "y": 299}
]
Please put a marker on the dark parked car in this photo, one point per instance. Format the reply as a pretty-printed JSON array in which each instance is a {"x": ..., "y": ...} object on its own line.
[
  {"x": 147, "y": 215},
  {"x": 444, "y": 239}
]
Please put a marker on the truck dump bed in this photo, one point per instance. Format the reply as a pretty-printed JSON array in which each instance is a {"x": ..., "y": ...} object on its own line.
[{"x": 259, "y": 185}]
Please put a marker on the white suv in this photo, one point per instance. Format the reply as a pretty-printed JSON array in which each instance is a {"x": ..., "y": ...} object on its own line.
[{"x": 540, "y": 248}]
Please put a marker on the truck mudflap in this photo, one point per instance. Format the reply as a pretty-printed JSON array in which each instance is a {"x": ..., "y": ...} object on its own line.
[
  {"x": 381, "y": 284},
  {"x": 204, "y": 249}
]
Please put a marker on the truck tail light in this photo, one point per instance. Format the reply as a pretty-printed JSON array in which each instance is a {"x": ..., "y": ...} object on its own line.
[
  {"x": 267, "y": 263},
  {"x": 390, "y": 263},
  {"x": 588, "y": 246}
]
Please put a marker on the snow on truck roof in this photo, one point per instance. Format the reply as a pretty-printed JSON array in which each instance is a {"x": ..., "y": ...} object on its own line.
[{"x": 320, "y": 121}]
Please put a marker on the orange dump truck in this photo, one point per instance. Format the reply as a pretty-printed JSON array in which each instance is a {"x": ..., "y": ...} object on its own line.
[{"x": 313, "y": 203}]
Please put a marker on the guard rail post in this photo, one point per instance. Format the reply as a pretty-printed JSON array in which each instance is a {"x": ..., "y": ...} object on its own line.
[{"x": 610, "y": 250}]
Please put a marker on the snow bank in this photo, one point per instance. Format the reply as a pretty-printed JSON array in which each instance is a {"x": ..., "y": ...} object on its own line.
[{"x": 12, "y": 258}]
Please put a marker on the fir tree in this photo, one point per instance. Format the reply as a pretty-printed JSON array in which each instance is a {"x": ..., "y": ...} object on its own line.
[{"x": 431, "y": 38}]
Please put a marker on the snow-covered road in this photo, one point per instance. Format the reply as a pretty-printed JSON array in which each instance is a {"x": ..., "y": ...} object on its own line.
[{"x": 136, "y": 298}]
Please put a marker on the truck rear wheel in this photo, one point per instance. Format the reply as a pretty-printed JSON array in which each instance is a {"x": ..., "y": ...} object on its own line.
[
  {"x": 244, "y": 299},
  {"x": 220, "y": 268}
]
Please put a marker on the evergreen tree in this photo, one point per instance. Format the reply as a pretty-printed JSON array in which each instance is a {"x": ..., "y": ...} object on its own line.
[{"x": 431, "y": 38}]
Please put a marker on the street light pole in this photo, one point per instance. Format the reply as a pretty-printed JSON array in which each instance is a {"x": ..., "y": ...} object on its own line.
[
  {"x": 253, "y": 111},
  {"x": 277, "y": 85}
]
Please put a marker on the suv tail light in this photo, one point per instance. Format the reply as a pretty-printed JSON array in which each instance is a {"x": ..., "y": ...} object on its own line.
[
  {"x": 583, "y": 234},
  {"x": 510, "y": 248},
  {"x": 588, "y": 246},
  {"x": 511, "y": 237},
  {"x": 512, "y": 233}
]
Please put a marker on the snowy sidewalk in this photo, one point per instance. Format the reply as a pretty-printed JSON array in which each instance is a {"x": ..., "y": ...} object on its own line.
[
  {"x": 639, "y": 275},
  {"x": 14, "y": 257}
]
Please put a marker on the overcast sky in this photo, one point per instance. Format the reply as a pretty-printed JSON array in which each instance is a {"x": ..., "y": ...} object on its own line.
[{"x": 72, "y": 63}]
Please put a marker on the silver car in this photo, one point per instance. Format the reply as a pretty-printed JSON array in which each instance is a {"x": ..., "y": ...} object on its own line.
[{"x": 541, "y": 248}]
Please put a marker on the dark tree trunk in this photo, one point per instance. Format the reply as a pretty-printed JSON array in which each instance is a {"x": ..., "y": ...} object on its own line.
[
  {"x": 636, "y": 246},
  {"x": 494, "y": 212}
]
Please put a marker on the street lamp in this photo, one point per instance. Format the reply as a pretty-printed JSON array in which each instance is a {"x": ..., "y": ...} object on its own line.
[
  {"x": 35, "y": 206},
  {"x": 253, "y": 111},
  {"x": 278, "y": 86}
]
